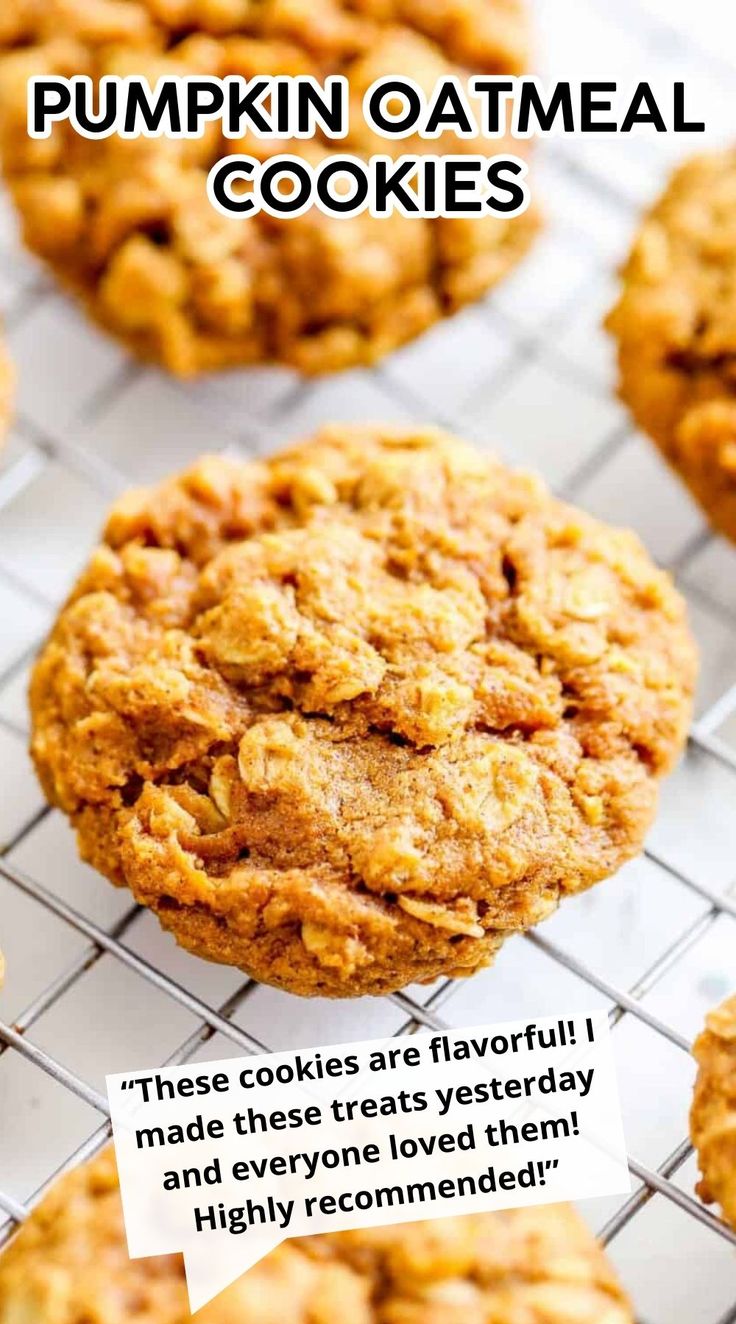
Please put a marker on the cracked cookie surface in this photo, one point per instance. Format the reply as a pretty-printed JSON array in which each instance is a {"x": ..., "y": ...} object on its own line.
[
  {"x": 675, "y": 324},
  {"x": 348, "y": 717},
  {"x": 713, "y": 1113},
  {"x": 70, "y": 1265},
  {"x": 128, "y": 226}
]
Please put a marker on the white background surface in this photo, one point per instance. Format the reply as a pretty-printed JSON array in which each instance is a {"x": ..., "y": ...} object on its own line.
[{"x": 529, "y": 372}]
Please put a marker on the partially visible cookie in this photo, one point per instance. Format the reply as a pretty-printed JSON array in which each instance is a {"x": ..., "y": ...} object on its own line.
[
  {"x": 525, "y": 1266},
  {"x": 128, "y": 226},
  {"x": 713, "y": 1113},
  {"x": 675, "y": 323},
  {"x": 7, "y": 384},
  {"x": 349, "y": 717}
]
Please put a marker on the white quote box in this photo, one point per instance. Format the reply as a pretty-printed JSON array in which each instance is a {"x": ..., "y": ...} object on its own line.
[{"x": 224, "y": 1160}]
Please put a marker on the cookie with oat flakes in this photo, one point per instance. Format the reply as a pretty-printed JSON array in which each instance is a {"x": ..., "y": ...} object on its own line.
[
  {"x": 538, "y": 1265},
  {"x": 713, "y": 1112},
  {"x": 127, "y": 224},
  {"x": 348, "y": 717},
  {"x": 675, "y": 324}
]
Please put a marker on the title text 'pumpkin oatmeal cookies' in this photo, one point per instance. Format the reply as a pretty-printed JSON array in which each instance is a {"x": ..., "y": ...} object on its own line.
[
  {"x": 523, "y": 1266},
  {"x": 349, "y": 717},
  {"x": 713, "y": 1113},
  {"x": 127, "y": 224},
  {"x": 676, "y": 328}
]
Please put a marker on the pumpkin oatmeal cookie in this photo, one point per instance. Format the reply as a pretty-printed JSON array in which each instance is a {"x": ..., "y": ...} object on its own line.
[
  {"x": 348, "y": 717},
  {"x": 522, "y": 1266},
  {"x": 713, "y": 1113},
  {"x": 127, "y": 224},
  {"x": 676, "y": 329},
  {"x": 7, "y": 383}
]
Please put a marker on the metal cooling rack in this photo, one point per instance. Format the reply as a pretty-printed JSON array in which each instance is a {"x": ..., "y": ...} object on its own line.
[{"x": 527, "y": 361}]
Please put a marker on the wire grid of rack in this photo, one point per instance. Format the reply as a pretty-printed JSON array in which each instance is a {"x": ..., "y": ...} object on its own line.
[{"x": 94, "y": 986}]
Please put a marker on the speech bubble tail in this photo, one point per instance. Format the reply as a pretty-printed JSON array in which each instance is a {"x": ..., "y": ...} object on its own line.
[{"x": 216, "y": 1264}]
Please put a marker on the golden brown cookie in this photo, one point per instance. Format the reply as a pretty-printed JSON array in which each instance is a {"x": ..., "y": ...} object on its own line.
[
  {"x": 7, "y": 384},
  {"x": 127, "y": 224},
  {"x": 349, "y": 717},
  {"x": 713, "y": 1112},
  {"x": 525, "y": 1266},
  {"x": 676, "y": 329}
]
